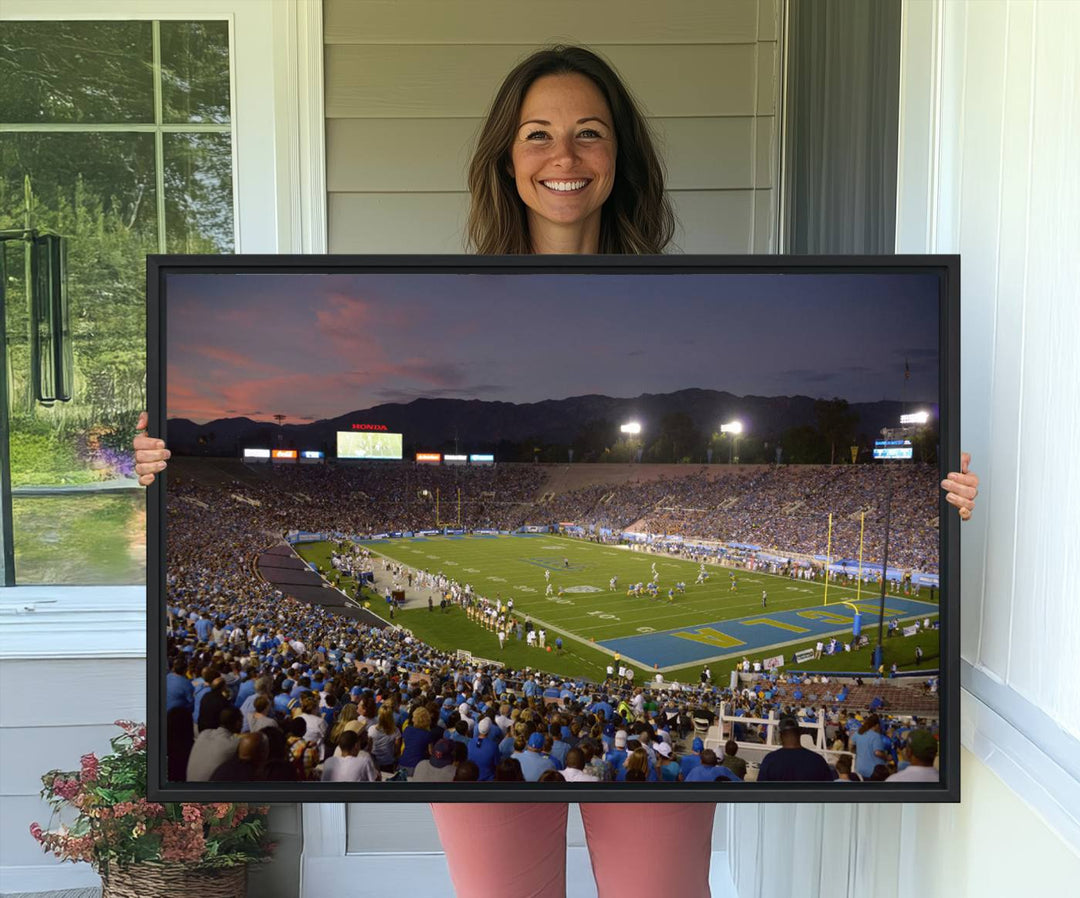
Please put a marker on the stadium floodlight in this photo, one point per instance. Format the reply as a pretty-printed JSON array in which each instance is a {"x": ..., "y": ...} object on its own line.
[
  {"x": 632, "y": 429},
  {"x": 915, "y": 418},
  {"x": 734, "y": 428}
]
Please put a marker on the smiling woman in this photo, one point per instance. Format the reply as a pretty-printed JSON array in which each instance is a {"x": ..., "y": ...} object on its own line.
[
  {"x": 563, "y": 162},
  {"x": 563, "y": 117}
]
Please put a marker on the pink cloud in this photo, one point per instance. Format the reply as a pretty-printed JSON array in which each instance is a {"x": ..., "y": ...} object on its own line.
[{"x": 237, "y": 360}]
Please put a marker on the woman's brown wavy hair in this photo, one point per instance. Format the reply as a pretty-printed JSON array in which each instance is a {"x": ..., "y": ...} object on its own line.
[{"x": 636, "y": 218}]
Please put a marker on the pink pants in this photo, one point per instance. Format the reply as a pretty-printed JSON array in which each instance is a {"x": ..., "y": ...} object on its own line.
[{"x": 519, "y": 850}]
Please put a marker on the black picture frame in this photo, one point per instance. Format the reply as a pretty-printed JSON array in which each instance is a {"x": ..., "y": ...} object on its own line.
[{"x": 945, "y": 267}]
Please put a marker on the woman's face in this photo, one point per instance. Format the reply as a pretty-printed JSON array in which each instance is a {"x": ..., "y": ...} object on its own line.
[{"x": 563, "y": 154}]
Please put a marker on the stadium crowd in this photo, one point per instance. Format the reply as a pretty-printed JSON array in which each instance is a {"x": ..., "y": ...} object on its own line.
[
  {"x": 261, "y": 686},
  {"x": 784, "y": 509}
]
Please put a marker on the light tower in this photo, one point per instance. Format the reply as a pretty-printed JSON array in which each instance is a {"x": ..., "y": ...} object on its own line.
[{"x": 734, "y": 428}]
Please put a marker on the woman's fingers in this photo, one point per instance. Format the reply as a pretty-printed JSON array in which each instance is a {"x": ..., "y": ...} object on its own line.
[
  {"x": 150, "y": 452},
  {"x": 964, "y": 485},
  {"x": 964, "y": 505}
]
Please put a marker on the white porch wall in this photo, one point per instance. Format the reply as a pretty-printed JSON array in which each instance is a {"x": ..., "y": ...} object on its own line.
[
  {"x": 989, "y": 143},
  {"x": 408, "y": 83}
]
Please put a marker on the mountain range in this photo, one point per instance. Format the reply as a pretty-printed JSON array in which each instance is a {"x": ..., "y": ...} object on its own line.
[{"x": 477, "y": 425}]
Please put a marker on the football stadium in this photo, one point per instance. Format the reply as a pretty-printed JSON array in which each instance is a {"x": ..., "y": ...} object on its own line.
[{"x": 467, "y": 619}]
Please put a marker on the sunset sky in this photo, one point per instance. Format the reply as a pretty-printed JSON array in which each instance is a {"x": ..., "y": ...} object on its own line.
[{"x": 312, "y": 346}]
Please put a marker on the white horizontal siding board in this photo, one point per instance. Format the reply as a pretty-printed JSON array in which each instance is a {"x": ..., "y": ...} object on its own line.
[
  {"x": 979, "y": 235},
  {"x": 51, "y": 879},
  {"x": 709, "y": 221},
  {"x": 1046, "y": 627},
  {"x": 17, "y": 846},
  {"x": 72, "y": 692},
  {"x": 460, "y": 81},
  {"x": 72, "y": 622},
  {"x": 423, "y": 154},
  {"x": 381, "y": 827},
  {"x": 376, "y": 876},
  {"x": 395, "y": 154},
  {"x": 712, "y": 221},
  {"x": 518, "y": 22},
  {"x": 397, "y": 222},
  {"x": 502, "y": 22},
  {"x": 28, "y": 752},
  {"x": 706, "y": 153}
]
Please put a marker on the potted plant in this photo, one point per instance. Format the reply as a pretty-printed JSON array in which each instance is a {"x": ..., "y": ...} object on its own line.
[{"x": 142, "y": 848}]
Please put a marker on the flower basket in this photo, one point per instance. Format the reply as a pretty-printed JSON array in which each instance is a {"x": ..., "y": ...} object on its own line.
[
  {"x": 145, "y": 849},
  {"x": 173, "y": 881}
]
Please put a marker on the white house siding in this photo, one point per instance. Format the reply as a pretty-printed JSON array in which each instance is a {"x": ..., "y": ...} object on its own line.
[
  {"x": 989, "y": 142},
  {"x": 408, "y": 82},
  {"x": 53, "y": 712}
]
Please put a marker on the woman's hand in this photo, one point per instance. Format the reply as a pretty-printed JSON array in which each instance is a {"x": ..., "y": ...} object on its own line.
[
  {"x": 150, "y": 453},
  {"x": 961, "y": 487}
]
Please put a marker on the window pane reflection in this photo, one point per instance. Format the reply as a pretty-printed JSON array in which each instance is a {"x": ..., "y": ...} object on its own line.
[
  {"x": 195, "y": 72},
  {"x": 63, "y": 72},
  {"x": 198, "y": 193},
  {"x": 81, "y": 540}
]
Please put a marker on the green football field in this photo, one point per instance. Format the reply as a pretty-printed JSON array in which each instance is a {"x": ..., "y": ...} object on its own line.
[{"x": 710, "y": 623}]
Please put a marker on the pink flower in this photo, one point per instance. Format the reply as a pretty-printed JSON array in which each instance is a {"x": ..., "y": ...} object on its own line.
[
  {"x": 181, "y": 842},
  {"x": 65, "y": 788},
  {"x": 192, "y": 813},
  {"x": 89, "y": 768},
  {"x": 151, "y": 808},
  {"x": 36, "y": 832}
]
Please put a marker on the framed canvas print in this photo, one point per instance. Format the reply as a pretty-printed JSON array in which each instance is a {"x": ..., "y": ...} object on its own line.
[{"x": 554, "y": 528}]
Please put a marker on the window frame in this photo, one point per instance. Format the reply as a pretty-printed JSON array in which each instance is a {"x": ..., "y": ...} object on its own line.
[{"x": 276, "y": 59}]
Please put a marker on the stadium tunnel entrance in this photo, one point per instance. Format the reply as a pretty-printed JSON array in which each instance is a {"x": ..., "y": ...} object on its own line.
[{"x": 281, "y": 568}]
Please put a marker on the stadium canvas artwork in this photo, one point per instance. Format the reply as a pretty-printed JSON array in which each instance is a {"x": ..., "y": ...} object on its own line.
[{"x": 454, "y": 528}]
